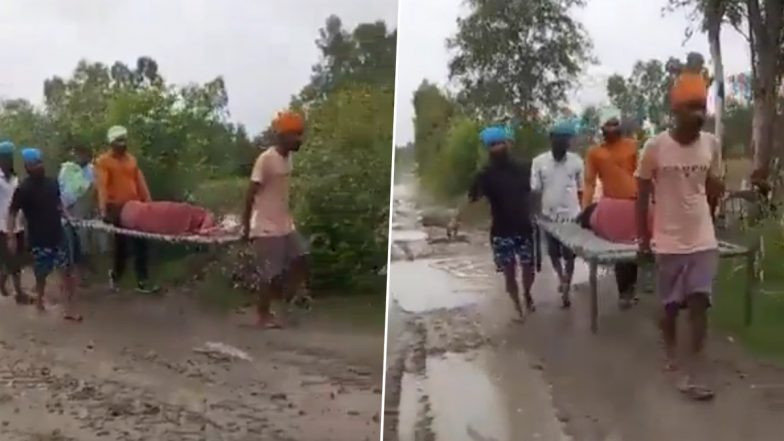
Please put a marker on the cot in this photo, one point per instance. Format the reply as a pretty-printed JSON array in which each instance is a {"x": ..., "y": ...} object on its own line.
[
  {"x": 219, "y": 238},
  {"x": 598, "y": 252}
]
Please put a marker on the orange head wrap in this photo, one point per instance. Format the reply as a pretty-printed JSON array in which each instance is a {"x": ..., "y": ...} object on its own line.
[
  {"x": 288, "y": 122},
  {"x": 688, "y": 87}
]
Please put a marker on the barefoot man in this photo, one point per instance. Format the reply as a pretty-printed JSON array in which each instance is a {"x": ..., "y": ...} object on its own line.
[
  {"x": 613, "y": 163},
  {"x": 10, "y": 261},
  {"x": 558, "y": 176},
  {"x": 676, "y": 168},
  {"x": 506, "y": 185},
  {"x": 280, "y": 252},
  {"x": 38, "y": 198}
]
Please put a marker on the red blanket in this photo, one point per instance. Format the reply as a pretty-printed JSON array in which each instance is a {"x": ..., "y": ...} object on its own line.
[{"x": 171, "y": 218}]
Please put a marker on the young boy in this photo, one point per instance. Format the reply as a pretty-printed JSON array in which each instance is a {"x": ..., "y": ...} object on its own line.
[{"x": 38, "y": 198}]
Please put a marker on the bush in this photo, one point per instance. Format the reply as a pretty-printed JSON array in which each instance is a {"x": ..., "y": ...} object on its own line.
[{"x": 341, "y": 186}]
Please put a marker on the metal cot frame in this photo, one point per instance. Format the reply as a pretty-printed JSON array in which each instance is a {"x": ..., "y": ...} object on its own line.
[{"x": 597, "y": 251}]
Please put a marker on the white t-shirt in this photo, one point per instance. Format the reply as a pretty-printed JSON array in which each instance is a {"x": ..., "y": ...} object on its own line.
[
  {"x": 7, "y": 189},
  {"x": 559, "y": 183}
]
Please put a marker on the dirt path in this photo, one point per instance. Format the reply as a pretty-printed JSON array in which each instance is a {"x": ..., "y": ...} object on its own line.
[
  {"x": 549, "y": 378},
  {"x": 130, "y": 372}
]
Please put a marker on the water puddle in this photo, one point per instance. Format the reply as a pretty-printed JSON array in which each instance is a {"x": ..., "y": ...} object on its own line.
[
  {"x": 419, "y": 287},
  {"x": 466, "y": 404}
]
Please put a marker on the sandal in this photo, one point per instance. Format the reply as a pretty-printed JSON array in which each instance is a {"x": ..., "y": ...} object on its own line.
[{"x": 76, "y": 318}]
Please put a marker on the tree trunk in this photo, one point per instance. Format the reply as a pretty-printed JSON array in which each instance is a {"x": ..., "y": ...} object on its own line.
[
  {"x": 766, "y": 29},
  {"x": 714, "y": 40}
]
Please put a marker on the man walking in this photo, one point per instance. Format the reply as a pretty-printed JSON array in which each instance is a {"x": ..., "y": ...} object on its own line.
[
  {"x": 10, "y": 259},
  {"x": 76, "y": 179},
  {"x": 280, "y": 252},
  {"x": 120, "y": 180},
  {"x": 676, "y": 168},
  {"x": 506, "y": 184},
  {"x": 558, "y": 176},
  {"x": 614, "y": 162},
  {"x": 38, "y": 198}
]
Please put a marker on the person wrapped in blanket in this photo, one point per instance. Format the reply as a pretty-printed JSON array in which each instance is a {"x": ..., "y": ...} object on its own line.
[
  {"x": 38, "y": 198},
  {"x": 557, "y": 176},
  {"x": 10, "y": 261},
  {"x": 681, "y": 167},
  {"x": 119, "y": 181},
  {"x": 166, "y": 218},
  {"x": 613, "y": 162}
]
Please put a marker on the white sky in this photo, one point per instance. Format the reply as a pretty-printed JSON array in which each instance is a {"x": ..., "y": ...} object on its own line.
[
  {"x": 623, "y": 31},
  {"x": 264, "y": 49}
]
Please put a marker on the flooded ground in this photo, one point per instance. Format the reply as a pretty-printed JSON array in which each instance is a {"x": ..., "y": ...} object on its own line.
[
  {"x": 460, "y": 369},
  {"x": 159, "y": 369}
]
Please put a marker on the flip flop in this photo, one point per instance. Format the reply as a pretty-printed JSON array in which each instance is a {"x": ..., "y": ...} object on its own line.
[{"x": 76, "y": 318}]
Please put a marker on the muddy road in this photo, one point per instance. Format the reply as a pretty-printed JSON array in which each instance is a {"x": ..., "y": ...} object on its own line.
[
  {"x": 460, "y": 369},
  {"x": 161, "y": 369}
]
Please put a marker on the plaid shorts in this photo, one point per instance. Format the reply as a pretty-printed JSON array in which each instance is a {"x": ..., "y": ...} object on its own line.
[
  {"x": 511, "y": 250},
  {"x": 47, "y": 259}
]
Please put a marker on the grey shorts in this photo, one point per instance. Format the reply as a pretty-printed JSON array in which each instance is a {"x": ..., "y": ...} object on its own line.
[
  {"x": 679, "y": 276},
  {"x": 274, "y": 255}
]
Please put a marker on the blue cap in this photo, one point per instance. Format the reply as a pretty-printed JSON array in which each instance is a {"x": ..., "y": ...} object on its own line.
[
  {"x": 31, "y": 155},
  {"x": 7, "y": 148},
  {"x": 494, "y": 134}
]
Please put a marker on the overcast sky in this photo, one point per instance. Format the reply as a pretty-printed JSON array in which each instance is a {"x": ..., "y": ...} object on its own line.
[
  {"x": 264, "y": 49},
  {"x": 623, "y": 31}
]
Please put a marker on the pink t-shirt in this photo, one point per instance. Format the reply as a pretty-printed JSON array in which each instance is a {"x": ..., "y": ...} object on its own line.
[
  {"x": 271, "y": 215},
  {"x": 616, "y": 220},
  {"x": 682, "y": 223}
]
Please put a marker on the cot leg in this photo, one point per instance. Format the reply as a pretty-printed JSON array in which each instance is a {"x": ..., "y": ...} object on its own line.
[
  {"x": 593, "y": 268},
  {"x": 751, "y": 275}
]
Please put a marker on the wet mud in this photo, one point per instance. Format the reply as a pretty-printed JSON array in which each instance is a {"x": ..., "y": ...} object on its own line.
[
  {"x": 152, "y": 369},
  {"x": 459, "y": 368}
]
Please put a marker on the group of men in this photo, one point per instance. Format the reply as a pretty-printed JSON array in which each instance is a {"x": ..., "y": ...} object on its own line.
[
  {"x": 672, "y": 178},
  {"x": 36, "y": 215}
]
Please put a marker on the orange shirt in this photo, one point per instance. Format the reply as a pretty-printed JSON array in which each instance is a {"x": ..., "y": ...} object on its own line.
[
  {"x": 614, "y": 165},
  {"x": 119, "y": 180}
]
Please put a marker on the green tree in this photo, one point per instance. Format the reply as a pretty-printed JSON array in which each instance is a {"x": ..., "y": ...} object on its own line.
[
  {"x": 513, "y": 57},
  {"x": 342, "y": 178},
  {"x": 643, "y": 95}
]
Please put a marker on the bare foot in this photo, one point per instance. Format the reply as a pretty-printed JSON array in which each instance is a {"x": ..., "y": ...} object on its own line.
[
  {"x": 76, "y": 318},
  {"x": 39, "y": 305},
  {"x": 267, "y": 321}
]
